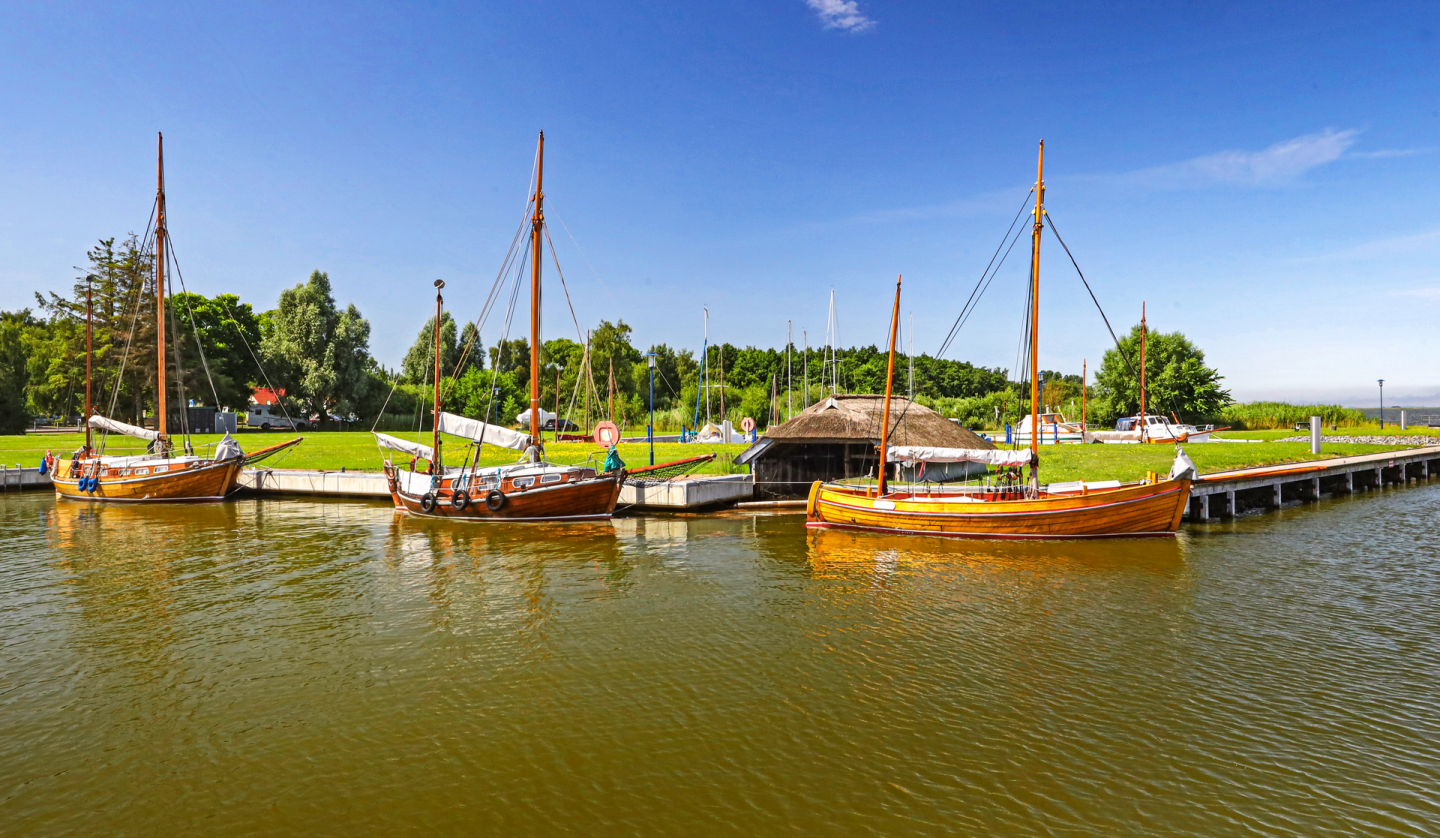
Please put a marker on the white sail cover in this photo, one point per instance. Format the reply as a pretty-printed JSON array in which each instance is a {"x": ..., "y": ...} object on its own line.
[
  {"x": 474, "y": 429},
  {"x": 922, "y": 454},
  {"x": 395, "y": 443},
  {"x": 103, "y": 424}
]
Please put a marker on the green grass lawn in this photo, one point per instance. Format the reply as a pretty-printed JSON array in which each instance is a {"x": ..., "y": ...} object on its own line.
[
  {"x": 1373, "y": 430},
  {"x": 356, "y": 451}
]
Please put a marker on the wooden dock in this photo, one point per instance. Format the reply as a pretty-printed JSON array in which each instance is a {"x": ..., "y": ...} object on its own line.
[{"x": 1225, "y": 494}]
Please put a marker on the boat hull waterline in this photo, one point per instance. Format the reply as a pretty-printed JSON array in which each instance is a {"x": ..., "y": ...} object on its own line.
[
  {"x": 180, "y": 482},
  {"x": 1136, "y": 510},
  {"x": 591, "y": 499}
]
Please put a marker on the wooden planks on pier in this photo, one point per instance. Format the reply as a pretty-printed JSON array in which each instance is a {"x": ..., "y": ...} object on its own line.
[{"x": 1224, "y": 494}]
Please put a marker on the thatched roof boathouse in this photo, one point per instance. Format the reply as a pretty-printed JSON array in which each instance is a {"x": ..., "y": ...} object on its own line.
[{"x": 838, "y": 438}]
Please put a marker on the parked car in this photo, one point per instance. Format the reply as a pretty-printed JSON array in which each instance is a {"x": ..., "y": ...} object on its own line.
[
  {"x": 267, "y": 417},
  {"x": 566, "y": 426}
]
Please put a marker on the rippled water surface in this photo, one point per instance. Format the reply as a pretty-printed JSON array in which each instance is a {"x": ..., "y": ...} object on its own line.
[{"x": 287, "y": 667}]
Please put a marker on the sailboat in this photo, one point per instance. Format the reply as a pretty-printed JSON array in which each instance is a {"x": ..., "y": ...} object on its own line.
[
  {"x": 532, "y": 489},
  {"x": 160, "y": 474},
  {"x": 1153, "y": 506}
]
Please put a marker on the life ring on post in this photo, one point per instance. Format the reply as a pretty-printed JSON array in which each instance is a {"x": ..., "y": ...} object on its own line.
[
  {"x": 606, "y": 434},
  {"x": 427, "y": 502},
  {"x": 747, "y": 424},
  {"x": 495, "y": 500},
  {"x": 460, "y": 500}
]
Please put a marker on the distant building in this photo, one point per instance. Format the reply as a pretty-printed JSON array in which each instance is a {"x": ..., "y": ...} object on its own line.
[
  {"x": 839, "y": 437},
  {"x": 264, "y": 395}
]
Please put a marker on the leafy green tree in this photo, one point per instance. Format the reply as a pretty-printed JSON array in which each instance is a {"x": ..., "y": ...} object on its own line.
[
  {"x": 229, "y": 333},
  {"x": 419, "y": 363},
  {"x": 1176, "y": 377},
  {"x": 15, "y": 329},
  {"x": 317, "y": 353}
]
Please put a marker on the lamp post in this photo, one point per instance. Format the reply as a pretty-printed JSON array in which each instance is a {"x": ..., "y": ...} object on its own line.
[
  {"x": 650, "y": 431},
  {"x": 1382, "y": 403}
]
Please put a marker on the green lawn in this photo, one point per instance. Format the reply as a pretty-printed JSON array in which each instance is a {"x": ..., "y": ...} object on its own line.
[
  {"x": 356, "y": 451},
  {"x": 1373, "y": 430}
]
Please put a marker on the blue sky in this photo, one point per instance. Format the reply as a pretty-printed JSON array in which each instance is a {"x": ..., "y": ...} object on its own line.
[{"x": 1263, "y": 178}]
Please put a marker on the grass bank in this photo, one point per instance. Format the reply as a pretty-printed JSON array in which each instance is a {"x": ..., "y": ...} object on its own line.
[{"x": 356, "y": 451}]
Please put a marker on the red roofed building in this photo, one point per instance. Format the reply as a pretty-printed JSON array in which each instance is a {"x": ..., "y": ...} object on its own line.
[{"x": 264, "y": 395}]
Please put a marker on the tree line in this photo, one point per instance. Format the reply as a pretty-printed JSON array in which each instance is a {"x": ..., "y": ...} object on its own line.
[{"x": 317, "y": 353}]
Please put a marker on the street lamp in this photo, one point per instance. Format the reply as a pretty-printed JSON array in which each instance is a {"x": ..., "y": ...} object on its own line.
[
  {"x": 650, "y": 431},
  {"x": 1382, "y": 403}
]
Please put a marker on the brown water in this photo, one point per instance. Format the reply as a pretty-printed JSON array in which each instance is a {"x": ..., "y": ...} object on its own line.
[{"x": 285, "y": 667}]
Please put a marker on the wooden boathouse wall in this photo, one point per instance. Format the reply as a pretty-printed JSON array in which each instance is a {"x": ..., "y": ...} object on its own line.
[{"x": 785, "y": 470}]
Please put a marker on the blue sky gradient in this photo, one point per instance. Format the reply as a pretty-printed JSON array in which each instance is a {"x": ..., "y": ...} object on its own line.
[{"x": 1262, "y": 177}]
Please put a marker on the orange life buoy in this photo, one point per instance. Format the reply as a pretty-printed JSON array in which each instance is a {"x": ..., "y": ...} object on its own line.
[{"x": 606, "y": 434}]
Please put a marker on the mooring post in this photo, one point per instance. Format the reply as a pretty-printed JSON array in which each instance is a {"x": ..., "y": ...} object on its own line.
[
  {"x": 1349, "y": 482},
  {"x": 1277, "y": 501},
  {"x": 1230, "y": 503},
  {"x": 1379, "y": 477},
  {"x": 1403, "y": 426},
  {"x": 1315, "y": 488},
  {"x": 1204, "y": 507},
  {"x": 1314, "y": 434}
]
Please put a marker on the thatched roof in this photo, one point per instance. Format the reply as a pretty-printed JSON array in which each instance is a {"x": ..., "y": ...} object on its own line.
[{"x": 857, "y": 418}]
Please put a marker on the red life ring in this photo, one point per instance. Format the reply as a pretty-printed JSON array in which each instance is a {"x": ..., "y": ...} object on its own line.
[
  {"x": 606, "y": 434},
  {"x": 747, "y": 424}
]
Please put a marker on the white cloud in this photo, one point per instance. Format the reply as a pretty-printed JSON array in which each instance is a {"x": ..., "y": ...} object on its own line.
[
  {"x": 1280, "y": 163},
  {"x": 1386, "y": 248},
  {"x": 841, "y": 14},
  {"x": 1432, "y": 294},
  {"x": 1391, "y": 152}
]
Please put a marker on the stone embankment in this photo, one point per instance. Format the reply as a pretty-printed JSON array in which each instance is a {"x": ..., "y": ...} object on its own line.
[{"x": 1370, "y": 440}]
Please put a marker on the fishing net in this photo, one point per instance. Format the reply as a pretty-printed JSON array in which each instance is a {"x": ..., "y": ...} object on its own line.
[{"x": 667, "y": 471}]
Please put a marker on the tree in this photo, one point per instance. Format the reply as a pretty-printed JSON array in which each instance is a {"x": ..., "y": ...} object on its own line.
[
  {"x": 14, "y": 373},
  {"x": 318, "y": 354},
  {"x": 419, "y": 363},
  {"x": 1176, "y": 378},
  {"x": 229, "y": 334}
]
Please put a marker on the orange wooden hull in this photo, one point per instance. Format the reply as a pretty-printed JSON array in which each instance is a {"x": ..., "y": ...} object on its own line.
[
  {"x": 1140, "y": 509},
  {"x": 199, "y": 481},
  {"x": 581, "y": 500}
]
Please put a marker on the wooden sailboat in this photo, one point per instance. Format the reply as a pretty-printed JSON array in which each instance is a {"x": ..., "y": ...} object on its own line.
[
  {"x": 159, "y": 474},
  {"x": 1078, "y": 510},
  {"x": 530, "y": 490}
]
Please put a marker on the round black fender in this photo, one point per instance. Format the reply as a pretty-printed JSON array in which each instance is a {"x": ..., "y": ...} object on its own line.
[
  {"x": 495, "y": 500},
  {"x": 460, "y": 500},
  {"x": 427, "y": 502}
]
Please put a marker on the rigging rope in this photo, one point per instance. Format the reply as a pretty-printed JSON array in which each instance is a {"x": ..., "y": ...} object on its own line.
[
  {"x": 973, "y": 298},
  {"x": 1092, "y": 295}
]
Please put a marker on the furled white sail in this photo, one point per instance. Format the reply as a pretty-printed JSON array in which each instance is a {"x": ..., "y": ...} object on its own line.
[
  {"x": 415, "y": 449},
  {"x": 478, "y": 431},
  {"x": 227, "y": 449},
  {"x": 103, "y": 424},
  {"x": 922, "y": 454}
]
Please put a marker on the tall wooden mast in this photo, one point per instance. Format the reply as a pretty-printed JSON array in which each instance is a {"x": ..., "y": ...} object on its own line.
[
  {"x": 89, "y": 315},
  {"x": 536, "y": 223},
  {"x": 161, "y": 415},
  {"x": 1035, "y": 321},
  {"x": 889, "y": 384},
  {"x": 1143, "y": 428},
  {"x": 435, "y": 440}
]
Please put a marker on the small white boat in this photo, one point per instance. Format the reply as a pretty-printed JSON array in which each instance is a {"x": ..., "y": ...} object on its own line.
[
  {"x": 1131, "y": 431},
  {"x": 1054, "y": 430}
]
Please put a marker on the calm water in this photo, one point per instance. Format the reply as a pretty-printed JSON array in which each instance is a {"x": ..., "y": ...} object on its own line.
[{"x": 282, "y": 668}]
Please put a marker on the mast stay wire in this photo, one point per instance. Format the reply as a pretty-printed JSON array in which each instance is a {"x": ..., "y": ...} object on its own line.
[
  {"x": 1092, "y": 295},
  {"x": 973, "y": 299}
]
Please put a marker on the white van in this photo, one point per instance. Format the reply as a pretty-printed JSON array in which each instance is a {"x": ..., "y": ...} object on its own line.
[{"x": 266, "y": 417}]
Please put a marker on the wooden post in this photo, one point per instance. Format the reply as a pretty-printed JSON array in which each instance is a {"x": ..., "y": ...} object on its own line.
[
  {"x": 161, "y": 414},
  {"x": 889, "y": 385},
  {"x": 537, "y": 221},
  {"x": 1035, "y": 322}
]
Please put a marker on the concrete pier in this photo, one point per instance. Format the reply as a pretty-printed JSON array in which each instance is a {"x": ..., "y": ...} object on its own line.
[
  {"x": 1217, "y": 495},
  {"x": 694, "y": 491},
  {"x": 18, "y": 478}
]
